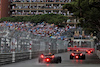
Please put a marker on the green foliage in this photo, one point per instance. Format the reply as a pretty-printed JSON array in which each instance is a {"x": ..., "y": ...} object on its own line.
[
  {"x": 26, "y": 18},
  {"x": 88, "y": 10},
  {"x": 68, "y": 6},
  {"x": 92, "y": 1},
  {"x": 50, "y": 18},
  {"x": 81, "y": 20}
]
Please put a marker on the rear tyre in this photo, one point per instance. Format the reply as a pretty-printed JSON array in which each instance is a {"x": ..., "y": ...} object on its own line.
[
  {"x": 70, "y": 50},
  {"x": 92, "y": 52},
  {"x": 57, "y": 60},
  {"x": 86, "y": 52},
  {"x": 40, "y": 60},
  {"x": 83, "y": 57},
  {"x": 71, "y": 57},
  {"x": 60, "y": 59}
]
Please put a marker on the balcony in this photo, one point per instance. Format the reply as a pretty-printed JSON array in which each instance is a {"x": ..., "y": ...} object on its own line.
[
  {"x": 40, "y": 1},
  {"x": 33, "y": 13},
  {"x": 37, "y": 8}
]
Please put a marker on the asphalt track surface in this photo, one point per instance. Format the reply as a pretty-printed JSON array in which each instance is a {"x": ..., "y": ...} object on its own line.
[{"x": 91, "y": 61}]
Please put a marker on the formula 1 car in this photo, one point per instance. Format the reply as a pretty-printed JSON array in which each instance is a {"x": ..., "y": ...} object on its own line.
[
  {"x": 77, "y": 55},
  {"x": 49, "y": 58},
  {"x": 89, "y": 51}
]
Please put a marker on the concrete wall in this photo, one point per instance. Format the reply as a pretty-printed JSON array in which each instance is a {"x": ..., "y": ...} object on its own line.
[{"x": 6, "y": 58}]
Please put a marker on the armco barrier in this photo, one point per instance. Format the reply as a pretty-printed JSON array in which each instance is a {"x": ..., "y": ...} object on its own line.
[
  {"x": 61, "y": 51},
  {"x": 21, "y": 56},
  {"x": 22, "y": 45},
  {"x": 7, "y": 57},
  {"x": 35, "y": 54}
]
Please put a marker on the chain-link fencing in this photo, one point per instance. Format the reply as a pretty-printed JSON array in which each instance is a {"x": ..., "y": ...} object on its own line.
[{"x": 19, "y": 41}]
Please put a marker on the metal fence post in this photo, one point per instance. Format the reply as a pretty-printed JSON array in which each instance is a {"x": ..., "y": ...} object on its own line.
[
  {"x": 57, "y": 48},
  {"x": 30, "y": 50},
  {"x": 0, "y": 46},
  {"x": 13, "y": 49},
  {"x": 17, "y": 44},
  {"x": 64, "y": 47},
  {"x": 49, "y": 47},
  {"x": 5, "y": 44}
]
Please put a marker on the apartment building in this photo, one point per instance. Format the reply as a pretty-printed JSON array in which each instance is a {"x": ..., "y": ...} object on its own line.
[
  {"x": 35, "y": 7},
  {"x": 4, "y": 8}
]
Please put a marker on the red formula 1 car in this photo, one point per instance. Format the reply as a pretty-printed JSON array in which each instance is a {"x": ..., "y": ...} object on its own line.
[
  {"x": 49, "y": 58},
  {"x": 77, "y": 55},
  {"x": 89, "y": 51}
]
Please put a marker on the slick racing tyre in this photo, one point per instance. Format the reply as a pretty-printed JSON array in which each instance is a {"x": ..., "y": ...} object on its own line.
[{"x": 71, "y": 57}]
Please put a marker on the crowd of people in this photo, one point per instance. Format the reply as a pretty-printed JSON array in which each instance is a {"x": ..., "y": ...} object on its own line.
[
  {"x": 36, "y": 13},
  {"x": 37, "y": 7},
  {"x": 41, "y": 0},
  {"x": 41, "y": 29}
]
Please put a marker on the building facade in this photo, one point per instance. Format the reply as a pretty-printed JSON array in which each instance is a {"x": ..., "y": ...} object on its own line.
[
  {"x": 4, "y": 8},
  {"x": 35, "y": 7}
]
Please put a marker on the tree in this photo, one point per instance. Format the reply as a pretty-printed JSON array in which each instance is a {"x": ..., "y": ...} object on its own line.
[
  {"x": 89, "y": 11},
  {"x": 50, "y": 18}
]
